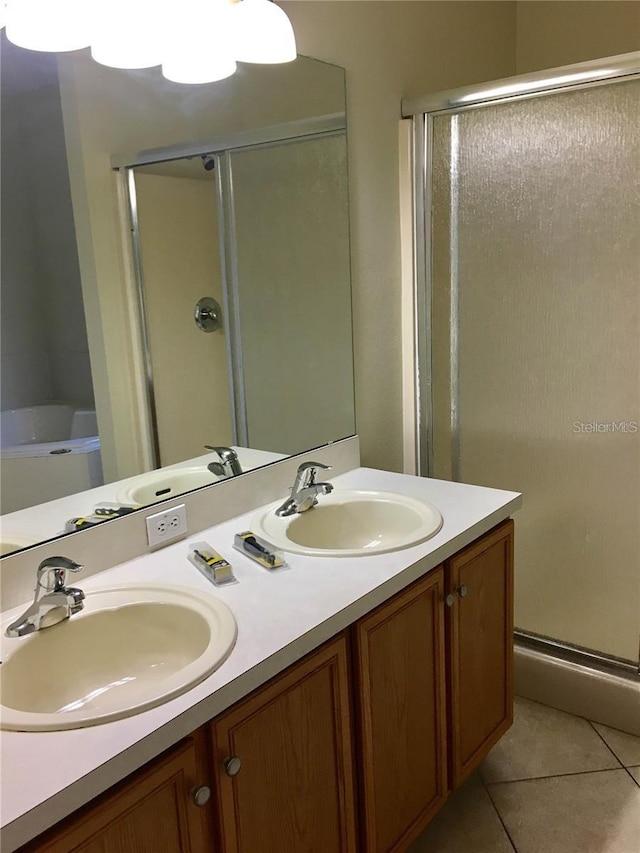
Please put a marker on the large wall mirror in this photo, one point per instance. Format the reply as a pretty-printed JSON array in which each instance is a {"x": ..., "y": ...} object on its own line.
[{"x": 175, "y": 278}]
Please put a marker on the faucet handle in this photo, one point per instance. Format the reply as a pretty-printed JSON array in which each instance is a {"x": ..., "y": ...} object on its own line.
[
  {"x": 305, "y": 466},
  {"x": 304, "y": 479},
  {"x": 58, "y": 567},
  {"x": 312, "y": 467}
]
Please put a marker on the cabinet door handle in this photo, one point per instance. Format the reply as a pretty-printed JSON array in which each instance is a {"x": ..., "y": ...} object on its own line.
[
  {"x": 232, "y": 766},
  {"x": 201, "y": 795},
  {"x": 462, "y": 591},
  {"x": 448, "y": 600}
]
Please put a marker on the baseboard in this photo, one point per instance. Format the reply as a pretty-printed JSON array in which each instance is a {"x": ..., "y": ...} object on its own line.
[{"x": 604, "y": 697}]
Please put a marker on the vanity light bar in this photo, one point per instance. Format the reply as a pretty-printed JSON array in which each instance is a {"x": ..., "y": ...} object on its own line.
[{"x": 200, "y": 45}]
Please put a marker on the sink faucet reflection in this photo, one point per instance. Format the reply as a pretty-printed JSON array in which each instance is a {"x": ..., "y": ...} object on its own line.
[
  {"x": 229, "y": 464},
  {"x": 305, "y": 491},
  {"x": 53, "y": 601}
]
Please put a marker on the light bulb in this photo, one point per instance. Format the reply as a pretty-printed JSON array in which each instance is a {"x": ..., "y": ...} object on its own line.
[
  {"x": 199, "y": 49},
  {"x": 49, "y": 25},
  {"x": 262, "y": 32},
  {"x": 138, "y": 43}
]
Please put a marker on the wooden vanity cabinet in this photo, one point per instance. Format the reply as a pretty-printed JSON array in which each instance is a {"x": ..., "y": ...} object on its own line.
[
  {"x": 154, "y": 809},
  {"x": 400, "y": 707},
  {"x": 283, "y": 765},
  {"x": 479, "y": 630},
  {"x": 431, "y": 674},
  {"x": 433, "y": 688}
]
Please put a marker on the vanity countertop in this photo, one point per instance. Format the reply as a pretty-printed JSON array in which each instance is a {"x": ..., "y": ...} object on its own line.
[{"x": 281, "y": 617}]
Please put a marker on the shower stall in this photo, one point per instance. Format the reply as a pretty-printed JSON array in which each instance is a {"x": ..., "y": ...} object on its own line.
[{"x": 527, "y": 294}]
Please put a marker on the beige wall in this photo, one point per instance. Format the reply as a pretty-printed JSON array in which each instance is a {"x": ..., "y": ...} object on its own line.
[{"x": 555, "y": 32}]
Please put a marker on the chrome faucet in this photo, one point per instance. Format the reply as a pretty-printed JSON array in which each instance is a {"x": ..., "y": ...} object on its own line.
[
  {"x": 53, "y": 601},
  {"x": 305, "y": 491},
  {"x": 229, "y": 464}
]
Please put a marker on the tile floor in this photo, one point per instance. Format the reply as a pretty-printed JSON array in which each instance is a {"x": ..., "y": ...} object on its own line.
[{"x": 554, "y": 784}]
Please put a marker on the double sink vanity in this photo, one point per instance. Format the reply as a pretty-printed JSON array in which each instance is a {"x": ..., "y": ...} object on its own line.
[{"x": 328, "y": 705}]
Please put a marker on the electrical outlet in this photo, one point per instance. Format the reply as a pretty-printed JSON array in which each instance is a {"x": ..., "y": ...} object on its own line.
[{"x": 168, "y": 526}]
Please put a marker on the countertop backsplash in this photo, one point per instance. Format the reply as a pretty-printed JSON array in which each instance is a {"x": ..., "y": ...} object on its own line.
[{"x": 123, "y": 539}]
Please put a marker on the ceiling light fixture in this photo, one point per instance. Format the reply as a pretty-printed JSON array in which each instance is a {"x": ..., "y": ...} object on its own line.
[
  {"x": 200, "y": 43},
  {"x": 262, "y": 32},
  {"x": 138, "y": 43},
  {"x": 200, "y": 49},
  {"x": 48, "y": 26}
]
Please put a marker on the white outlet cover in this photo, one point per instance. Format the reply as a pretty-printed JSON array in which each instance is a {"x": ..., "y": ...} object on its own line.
[{"x": 167, "y": 526}]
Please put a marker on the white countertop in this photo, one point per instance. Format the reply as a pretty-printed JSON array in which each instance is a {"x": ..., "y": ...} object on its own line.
[{"x": 281, "y": 617}]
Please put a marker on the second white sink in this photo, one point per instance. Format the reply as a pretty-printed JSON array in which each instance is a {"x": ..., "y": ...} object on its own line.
[
  {"x": 10, "y": 543},
  {"x": 351, "y": 523},
  {"x": 161, "y": 485}
]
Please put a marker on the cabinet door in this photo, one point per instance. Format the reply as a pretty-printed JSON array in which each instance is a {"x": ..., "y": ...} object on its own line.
[
  {"x": 480, "y": 634},
  {"x": 400, "y": 673},
  {"x": 291, "y": 783},
  {"x": 152, "y": 810}
]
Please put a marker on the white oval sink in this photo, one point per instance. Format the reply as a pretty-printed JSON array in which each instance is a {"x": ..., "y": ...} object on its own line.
[
  {"x": 160, "y": 485},
  {"x": 351, "y": 523},
  {"x": 130, "y": 649}
]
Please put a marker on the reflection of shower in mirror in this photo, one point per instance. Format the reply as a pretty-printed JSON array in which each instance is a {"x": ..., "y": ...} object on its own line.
[{"x": 271, "y": 244}]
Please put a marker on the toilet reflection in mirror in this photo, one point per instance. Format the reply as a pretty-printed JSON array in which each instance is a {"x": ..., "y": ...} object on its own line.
[{"x": 126, "y": 199}]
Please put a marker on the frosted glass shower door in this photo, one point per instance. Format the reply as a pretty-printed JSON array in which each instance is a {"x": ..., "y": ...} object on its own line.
[
  {"x": 536, "y": 344},
  {"x": 292, "y": 293}
]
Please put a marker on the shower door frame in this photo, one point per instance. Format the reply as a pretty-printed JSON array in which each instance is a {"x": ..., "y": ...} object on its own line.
[{"x": 422, "y": 112}]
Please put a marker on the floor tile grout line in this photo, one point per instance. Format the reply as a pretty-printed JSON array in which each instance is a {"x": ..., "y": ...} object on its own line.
[
  {"x": 554, "y": 776},
  {"x": 607, "y": 745},
  {"x": 633, "y": 778},
  {"x": 495, "y": 808}
]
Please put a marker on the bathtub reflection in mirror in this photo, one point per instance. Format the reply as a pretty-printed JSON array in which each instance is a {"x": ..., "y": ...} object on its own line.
[
  {"x": 276, "y": 379},
  {"x": 48, "y": 450}
]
